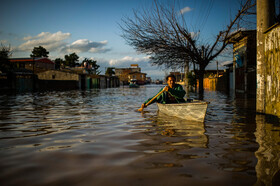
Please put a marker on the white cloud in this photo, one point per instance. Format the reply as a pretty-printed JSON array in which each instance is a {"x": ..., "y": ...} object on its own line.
[
  {"x": 85, "y": 45},
  {"x": 221, "y": 65},
  {"x": 225, "y": 63},
  {"x": 3, "y": 41},
  {"x": 50, "y": 41},
  {"x": 186, "y": 9},
  {"x": 57, "y": 42},
  {"x": 127, "y": 60}
]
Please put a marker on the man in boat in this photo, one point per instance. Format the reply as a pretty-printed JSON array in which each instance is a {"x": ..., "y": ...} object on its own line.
[{"x": 172, "y": 93}]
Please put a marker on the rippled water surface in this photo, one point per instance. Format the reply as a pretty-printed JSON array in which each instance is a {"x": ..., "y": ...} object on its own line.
[{"x": 97, "y": 137}]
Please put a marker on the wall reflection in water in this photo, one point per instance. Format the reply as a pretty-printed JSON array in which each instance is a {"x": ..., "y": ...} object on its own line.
[
  {"x": 266, "y": 131},
  {"x": 268, "y": 166}
]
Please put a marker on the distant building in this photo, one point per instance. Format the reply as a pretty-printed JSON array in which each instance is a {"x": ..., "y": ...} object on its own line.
[
  {"x": 33, "y": 64},
  {"x": 135, "y": 68},
  {"x": 244, "y": 62},
  {"x": 68, "y": 79},
  {"x": 138, "y": 76},
  {"x": 148, "y": 80},
  {"x": 133, "y": 73}
]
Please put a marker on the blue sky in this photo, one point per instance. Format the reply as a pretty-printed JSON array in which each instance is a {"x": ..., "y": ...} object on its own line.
[{"x": 90, "y": 28}]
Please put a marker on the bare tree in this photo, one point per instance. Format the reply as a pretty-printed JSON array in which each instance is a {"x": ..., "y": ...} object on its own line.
[{"x": 163, "y": 34}]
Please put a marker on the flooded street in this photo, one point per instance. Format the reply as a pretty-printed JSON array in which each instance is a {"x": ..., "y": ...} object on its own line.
[{"x": 97, "y": 137}]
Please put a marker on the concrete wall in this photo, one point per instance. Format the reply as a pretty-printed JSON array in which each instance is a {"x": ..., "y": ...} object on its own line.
[
  {"x": 42, "y": 85},
  {"x": 17, "y": 82},
  {"x": 272, "y": 69},
  {"x": 55, "y": 80},
  {"x": 265, "y": 19},
  {"x": 57, "y": 75}
]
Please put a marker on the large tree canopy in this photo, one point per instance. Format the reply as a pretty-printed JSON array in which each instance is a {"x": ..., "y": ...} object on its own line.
[
  {"x": 91, "y": 65},
  {"x": 110, "y": 71},
  {"x": 5, "y": 53},
  {"x": 39, "y": 52},
  {"x": 163, "y": 34},
  {"x": 58, "y": 63},
  {"x": 71, "y": 60}
]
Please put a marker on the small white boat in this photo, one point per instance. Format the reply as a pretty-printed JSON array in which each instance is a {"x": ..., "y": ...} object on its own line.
[{"x": 192, "y": 111}]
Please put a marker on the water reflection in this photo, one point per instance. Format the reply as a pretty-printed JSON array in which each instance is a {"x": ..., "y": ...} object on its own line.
[
  {"x": 268, "y": 154},
  {"x": 96, "y": 136},
  {"x": 173, "y": 138},
  {"x": 193, "y": 132}
]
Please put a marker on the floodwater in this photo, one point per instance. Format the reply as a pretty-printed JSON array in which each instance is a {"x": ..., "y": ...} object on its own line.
[{"x": 97, "y": 137}]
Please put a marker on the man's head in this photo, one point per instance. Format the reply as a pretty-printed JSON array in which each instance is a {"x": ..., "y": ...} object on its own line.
[{"x": 170, "y": 79}]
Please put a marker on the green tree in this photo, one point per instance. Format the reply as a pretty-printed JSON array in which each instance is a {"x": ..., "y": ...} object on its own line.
[
  {"x": 58, "y": 63},
  {"x": 39, "y": 52},
  {"x": 5, "y": 53},
  {"x": 110, "y": 71},
  {"x": 71, "y": 60},
  {"x": 91, "y": 65}
]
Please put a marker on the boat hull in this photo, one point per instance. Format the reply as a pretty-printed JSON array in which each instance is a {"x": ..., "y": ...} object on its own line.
[{"x": 192, "y": 111}]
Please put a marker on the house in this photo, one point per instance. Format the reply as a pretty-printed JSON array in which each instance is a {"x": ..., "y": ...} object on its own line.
[
  {"x": 244, "y": 62},
  {"x": 67, "y": 79},
  {"x": 33, "y": 65},
  {"x": 58, "y": 80},
  {"x": 127, "y": 74},
  {"x": 138, "y": 76}
]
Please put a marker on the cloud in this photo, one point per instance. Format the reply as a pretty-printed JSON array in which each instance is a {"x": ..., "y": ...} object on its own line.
[
  {"x": 185, "y": 10},
  {"x": 50, "y": 41},
  {"x": 127, "y": 60},
  {"x": 3, "y": 41},
  {"x": 221, "y": 65},
  {"x": 225, "y": 63},
  {"x": 85, "y": 45},
  {"x": 57, "y": 42}
]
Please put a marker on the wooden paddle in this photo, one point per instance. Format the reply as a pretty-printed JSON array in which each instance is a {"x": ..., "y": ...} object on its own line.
[{"x": 141, "y": 109}]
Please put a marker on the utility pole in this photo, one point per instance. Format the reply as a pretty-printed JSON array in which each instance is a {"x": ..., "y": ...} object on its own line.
[{"x": 265, "y": 16}]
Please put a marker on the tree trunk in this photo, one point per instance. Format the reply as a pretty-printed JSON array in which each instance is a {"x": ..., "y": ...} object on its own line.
[
  {"x": 200, "y": 79},
  {"x": 195, "y": 75},
  {"x": 187, "y": 78}
]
